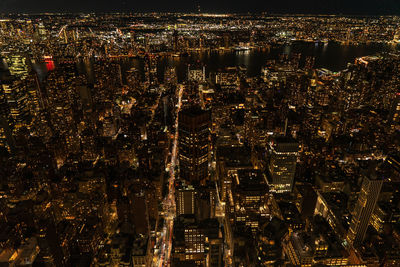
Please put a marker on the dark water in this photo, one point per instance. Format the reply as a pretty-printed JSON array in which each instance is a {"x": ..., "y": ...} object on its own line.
[{"x": 332, "y": 56}]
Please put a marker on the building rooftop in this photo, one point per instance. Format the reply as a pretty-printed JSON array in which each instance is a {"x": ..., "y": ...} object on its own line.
[
  {"x": 235, "y": 156},
  {"x": 250, "y": 180}
]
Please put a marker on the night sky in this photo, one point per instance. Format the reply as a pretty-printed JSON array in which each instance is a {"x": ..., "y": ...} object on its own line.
[{"x": 362, "y": 7}]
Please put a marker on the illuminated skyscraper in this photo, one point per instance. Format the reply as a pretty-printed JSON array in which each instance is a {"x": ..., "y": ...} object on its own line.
[
  {"x": 17, "y": 99},
  {"x": 282, "y": 163},
  {"x": 170, "y": 76},
  {"x": 42, "y": 31},
  {"x": 185, "y": 200},
  {"x": 6, "y": 137},
  {"x": 364, "y": 207},
  {"x": 198, "y": 75},
  {"x": 250, "y": 198},
  {"x": 18, "y": 66},
  {"x": 194, "y": 133},
  {"x": 189, "y": 242}
]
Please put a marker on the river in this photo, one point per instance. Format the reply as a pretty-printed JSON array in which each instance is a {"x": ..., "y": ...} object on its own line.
[{"x": 332, "y": 56}]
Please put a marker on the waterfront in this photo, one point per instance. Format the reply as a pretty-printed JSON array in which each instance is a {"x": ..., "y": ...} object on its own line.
[{"x": 332, "y": 56}]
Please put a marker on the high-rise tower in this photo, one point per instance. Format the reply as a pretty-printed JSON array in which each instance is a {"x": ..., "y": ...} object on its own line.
[
  {"x": 15, "y": 93},
  {"x": 282, "y": 163},
  {"x": 364, "y": 207},
  {"x": 194, "y": 134}
]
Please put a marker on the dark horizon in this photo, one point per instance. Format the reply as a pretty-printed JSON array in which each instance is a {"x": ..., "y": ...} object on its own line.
[{"x": 309, "y": 7}]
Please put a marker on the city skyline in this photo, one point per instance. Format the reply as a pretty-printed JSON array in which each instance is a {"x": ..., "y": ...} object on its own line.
[{"x": 353, "y": 7}]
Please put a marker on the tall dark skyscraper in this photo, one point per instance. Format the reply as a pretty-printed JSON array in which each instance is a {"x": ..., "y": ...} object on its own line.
[
  {"x": 194, "y": 133},
  {"x": 175, "y": 41},
  {"x": 364, "y": 207},
  {"x": 282, "y": 163},
  {"x": 394, "y": 116}
]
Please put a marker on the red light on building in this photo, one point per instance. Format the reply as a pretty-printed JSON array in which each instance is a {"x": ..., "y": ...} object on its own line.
[{"x": 50, "y": 66}]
